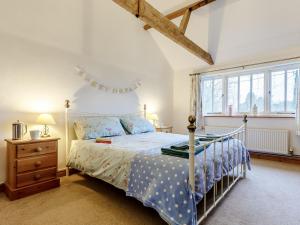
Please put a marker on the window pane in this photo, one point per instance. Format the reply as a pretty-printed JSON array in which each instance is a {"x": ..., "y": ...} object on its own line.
[
  {"x": 278, "y": 92},
  {"x": 258, "y": 86},
  {"x": 245, "y": 93},
  {"x": 207, "y": 96},
  {"x": 218, "y": 92},
  {"x": 233, "y": 93},
  {"x": 291, "y": 90}
]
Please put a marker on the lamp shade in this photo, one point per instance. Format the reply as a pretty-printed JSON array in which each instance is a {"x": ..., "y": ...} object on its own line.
[
  {"x": 45, "y": 119},
  {"x": 152, "y": 116}
]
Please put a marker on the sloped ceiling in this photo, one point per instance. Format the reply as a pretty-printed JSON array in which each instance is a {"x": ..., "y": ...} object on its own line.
[{"x": 234, "y": 31}]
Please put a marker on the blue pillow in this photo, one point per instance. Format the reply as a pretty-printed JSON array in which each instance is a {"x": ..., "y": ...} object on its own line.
[
  {"x": 94, "y": 127},
  {"x": 137, "y": 125}
]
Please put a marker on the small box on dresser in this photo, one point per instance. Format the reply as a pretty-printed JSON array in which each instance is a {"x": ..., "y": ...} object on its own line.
[{"x": 31, "y": 167}]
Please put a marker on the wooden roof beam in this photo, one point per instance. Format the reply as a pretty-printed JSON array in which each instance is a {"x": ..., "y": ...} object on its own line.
[
  {"x": 180, "y": 12},
  {"x": 185, "y": 21},
  {"x": 155, "y": 19}
]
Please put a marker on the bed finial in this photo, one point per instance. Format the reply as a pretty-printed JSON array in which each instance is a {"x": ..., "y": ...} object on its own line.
[
  {"x": 67, "y": 104},
  {"x": 245, "y": 120},
  {"x": 192, "y": 126}
]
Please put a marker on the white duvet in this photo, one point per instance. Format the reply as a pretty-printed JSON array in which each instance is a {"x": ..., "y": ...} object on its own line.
[{"x": 112, "y": 162}]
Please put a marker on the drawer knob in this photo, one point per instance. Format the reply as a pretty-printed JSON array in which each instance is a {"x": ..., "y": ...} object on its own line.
[
  {"x": 38, "y": 163},
  {"x": 37, "y": 176},
  {"x": 39, "y": 149}
]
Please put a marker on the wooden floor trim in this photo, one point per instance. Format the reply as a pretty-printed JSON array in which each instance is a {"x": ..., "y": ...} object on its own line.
[
  {"x": 293, "y": 159},
  {"x": 61, "y": 173}
]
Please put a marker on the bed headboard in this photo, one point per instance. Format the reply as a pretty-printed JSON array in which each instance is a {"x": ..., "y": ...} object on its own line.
[{"x": 70, "y": 117}]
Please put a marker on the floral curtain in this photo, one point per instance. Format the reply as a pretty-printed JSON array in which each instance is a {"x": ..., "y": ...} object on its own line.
[
  {"x": 196, "y": 102},
  {"x": 298, "y": 104}
]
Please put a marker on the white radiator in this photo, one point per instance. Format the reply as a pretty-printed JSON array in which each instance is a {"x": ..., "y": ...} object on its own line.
[{"x": 259, "y": 139}]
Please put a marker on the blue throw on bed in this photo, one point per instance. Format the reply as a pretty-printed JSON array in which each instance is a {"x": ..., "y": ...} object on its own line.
[{"x": 162, "y": 182}]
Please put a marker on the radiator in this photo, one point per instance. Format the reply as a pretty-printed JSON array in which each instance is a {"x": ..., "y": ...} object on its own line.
[{"x": 259, "y": 139}]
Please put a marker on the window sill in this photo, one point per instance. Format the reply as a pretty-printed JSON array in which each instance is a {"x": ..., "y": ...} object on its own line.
[{"x": 262, "y": 116}]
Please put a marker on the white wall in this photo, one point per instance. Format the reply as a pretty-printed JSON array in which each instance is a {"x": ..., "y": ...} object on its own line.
[{"x": 42, "y": 41}]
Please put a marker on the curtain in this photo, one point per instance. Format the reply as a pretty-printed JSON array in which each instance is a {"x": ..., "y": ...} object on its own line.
[
  {"x": 196, "y": 102},
  {"x": 297, "y": 89}
]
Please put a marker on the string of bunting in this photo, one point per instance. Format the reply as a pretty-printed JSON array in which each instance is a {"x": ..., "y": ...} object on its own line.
[{"x": 102, "y": 87}]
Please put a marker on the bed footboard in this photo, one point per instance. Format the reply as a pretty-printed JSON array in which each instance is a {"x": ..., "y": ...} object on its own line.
[{"x": 237, "y": 171}]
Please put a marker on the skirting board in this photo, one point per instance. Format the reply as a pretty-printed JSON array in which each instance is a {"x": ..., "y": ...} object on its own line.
[{"x": 276, "y": 157}]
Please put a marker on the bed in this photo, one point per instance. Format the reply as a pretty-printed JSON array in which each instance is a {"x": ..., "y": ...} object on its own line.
[{"x": 173, "y": 186}]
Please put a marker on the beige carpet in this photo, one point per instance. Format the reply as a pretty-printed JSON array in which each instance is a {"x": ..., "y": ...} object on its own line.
[{"x": 269, "y": 196}]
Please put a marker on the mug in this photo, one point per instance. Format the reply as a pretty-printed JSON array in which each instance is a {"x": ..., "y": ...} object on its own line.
[{"x": 34, "y": 134}]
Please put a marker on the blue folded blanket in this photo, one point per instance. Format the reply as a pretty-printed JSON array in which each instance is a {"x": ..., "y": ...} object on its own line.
[{"x": 182, "y": 149}]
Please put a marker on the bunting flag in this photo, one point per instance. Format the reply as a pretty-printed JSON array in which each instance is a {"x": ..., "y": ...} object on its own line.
[{"x": 95, "y": 84}]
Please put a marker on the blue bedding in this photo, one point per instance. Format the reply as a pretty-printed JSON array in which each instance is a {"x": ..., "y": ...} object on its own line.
[{"x": 162, "y": 182}]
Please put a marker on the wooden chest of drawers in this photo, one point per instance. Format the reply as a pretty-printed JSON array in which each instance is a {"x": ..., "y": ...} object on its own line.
[{"x": 31, "y": 167}]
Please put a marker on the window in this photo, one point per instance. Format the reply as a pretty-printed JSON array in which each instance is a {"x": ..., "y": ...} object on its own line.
[
  {"x": 213, "y": 95},
  {"x": 245, "y": 91},
  {"x": 283, "y": 92},
  {"x": 272, "y": 91},
  {"x": 233, "y": 93},
  {"x": 258, "y": 91}
]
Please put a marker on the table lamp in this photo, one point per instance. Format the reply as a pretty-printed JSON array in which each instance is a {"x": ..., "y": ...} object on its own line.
[
  {"x": 153, "y": 117},
  {"x": 45, "y": 119}
]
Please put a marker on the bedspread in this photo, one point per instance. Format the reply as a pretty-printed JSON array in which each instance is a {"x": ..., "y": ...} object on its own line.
[
  {"x": 162, "y": 182},
  {"x": 112, "y": 163},
  {"x": 135, "y": 164}
]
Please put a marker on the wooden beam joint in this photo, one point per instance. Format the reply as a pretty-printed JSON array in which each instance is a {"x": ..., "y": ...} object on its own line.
[
  {"x": 185, "y": 21},
  {"x": 155, "y": 19},
  {"x": 181, "y": 12}
]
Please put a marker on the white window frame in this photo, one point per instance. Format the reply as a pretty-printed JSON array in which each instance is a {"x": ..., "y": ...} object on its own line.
[
  {"x": 212, "y": 78},
  {"x": 267, "y": 88},
  {"x": 277, "y": 69}
]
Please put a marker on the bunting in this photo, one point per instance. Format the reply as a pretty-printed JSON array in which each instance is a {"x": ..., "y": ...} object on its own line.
[{"x": 102, "y": 87}]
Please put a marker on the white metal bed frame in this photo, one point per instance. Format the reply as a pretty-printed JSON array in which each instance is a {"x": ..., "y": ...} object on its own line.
[{"x": 237, "y": 172}]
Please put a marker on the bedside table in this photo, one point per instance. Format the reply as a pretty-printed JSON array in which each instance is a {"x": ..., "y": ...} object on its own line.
[
  {"x": 31, "y": 167},
  {"x": 165, "y": 129}
]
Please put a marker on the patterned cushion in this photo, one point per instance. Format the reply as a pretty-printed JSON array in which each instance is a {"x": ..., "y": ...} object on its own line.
[
  {"x": 137, "y": 125},
  {"x": 93, "y": 127}
]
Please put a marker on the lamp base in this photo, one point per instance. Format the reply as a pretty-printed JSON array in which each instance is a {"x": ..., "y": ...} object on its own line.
[
  {"x": 45, "y": 133},
  {"x": 45, "y": 136}
]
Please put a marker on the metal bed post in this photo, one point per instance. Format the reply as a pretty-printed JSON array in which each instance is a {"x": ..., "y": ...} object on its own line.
[
  {"x": 215, "y": 185},
  {"x": 239, "y": 154},
  {"x": 245, "y": 143},
  {"x": 67, "y": 106},
  {"x": 192, "y": 129},
  {"x": 222, "y": 156},
  {"x": 233, "y": 157},
  {"x": 228, "y": 161},
  {"x": 145, "y": 111},
  {"x": 205, "y": 180}
]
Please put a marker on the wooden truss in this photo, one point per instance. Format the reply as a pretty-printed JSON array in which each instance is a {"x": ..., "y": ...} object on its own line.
[{"x": 153, "y": 18}]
